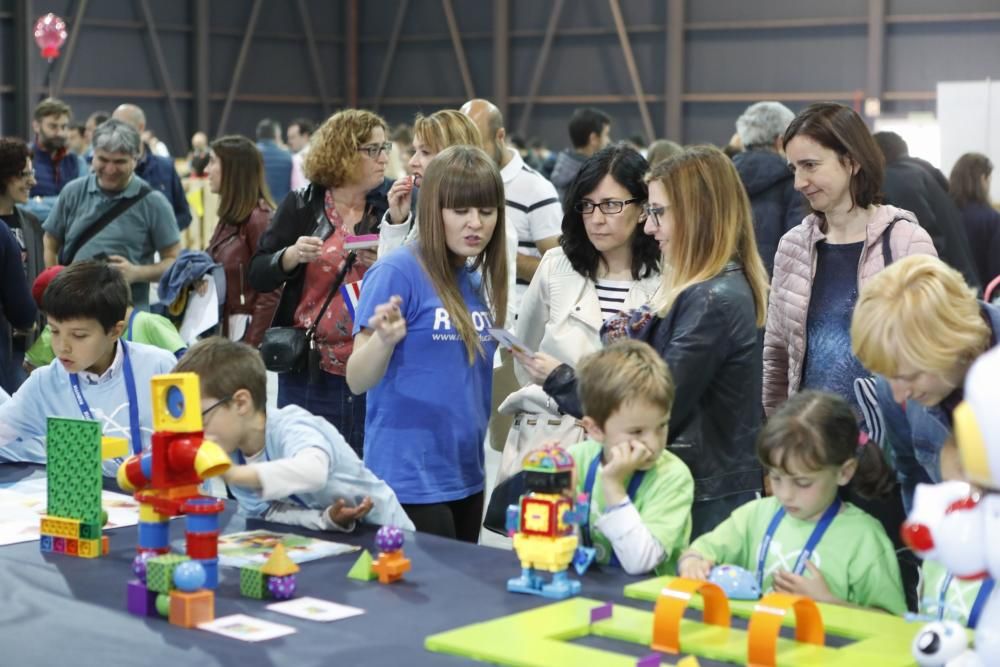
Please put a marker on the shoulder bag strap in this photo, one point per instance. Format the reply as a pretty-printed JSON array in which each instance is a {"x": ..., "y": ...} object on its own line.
[
  {"x": 886, "y": 237},
  {"x": 109, "y": 216}
]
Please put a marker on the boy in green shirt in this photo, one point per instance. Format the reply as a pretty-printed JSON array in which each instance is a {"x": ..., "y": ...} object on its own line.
[{"x": 640, "y": 494}]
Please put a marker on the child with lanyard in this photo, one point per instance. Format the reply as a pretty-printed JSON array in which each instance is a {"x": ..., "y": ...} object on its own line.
[
  {"x": 98, "y": 376},
  {"x": 804, "y": 540},
  {"x": 640, "y": 494},
  {"x": 141, "y": 327},
  {"x": 422, "y": 350}
]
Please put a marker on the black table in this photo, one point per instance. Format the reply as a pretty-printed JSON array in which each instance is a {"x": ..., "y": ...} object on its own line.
[{"x": 61, "y": 610}]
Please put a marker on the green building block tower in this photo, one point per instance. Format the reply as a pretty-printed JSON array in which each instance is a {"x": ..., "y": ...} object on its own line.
[{"x": 74, "y": 471}]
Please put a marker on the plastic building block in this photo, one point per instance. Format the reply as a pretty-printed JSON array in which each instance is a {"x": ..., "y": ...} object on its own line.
[
  {"x": 139, "y": 565},
  {"x": 163, "y": 604},
  {"x": 160, "y": 572},
  {"x": 46, "y": 544},
  {"x": 89, "y": 548},
  {"x": 362, "y": 568},
  {"x": 389, "y": 538},
  {"x": 58, "y": 526},
  {"x": 253, "y": 582},
  {"x": 59, "y": 545},
  {"x": 105, "y": 545},
  {"x": 148, "y": 514},
  {"x": 601, "y": 613},
  {"x": 114, "y": 448},
  {"x": 282, "y": 588},
  {"x": 190, "y": 609},
  {"x": 154, "y": 535},
  {"x": 73, "y": 448},
  {"x": 90, "y": 531},
  {"x": 176, "y": 403},
  {"x": 211, "y": 567},
  {"x": 278, "y": 564},
  {"x": 762, "y": 642},
  {"x": 72, "y": 546},
  {"x": 189, "y": 576},
  {"x": 670, "y": 608},
  {"x": 391, "y": 566},
  {"x": 201, "y": 545},
  {"x": 140, "y": 600}
]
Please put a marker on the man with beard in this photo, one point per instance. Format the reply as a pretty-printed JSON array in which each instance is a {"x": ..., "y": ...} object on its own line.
[{"x": 55, "y": 165}]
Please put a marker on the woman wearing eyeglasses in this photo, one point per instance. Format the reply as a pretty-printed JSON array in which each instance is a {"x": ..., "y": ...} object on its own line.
[
  {"x": 704, "y": 322},
  {"x": 20, "y": 259},
  {"x": 303, "y": 250},
  {"x": 604, "y": 265}
]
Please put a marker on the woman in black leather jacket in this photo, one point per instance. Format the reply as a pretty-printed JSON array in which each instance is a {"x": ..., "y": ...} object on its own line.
[
  {"x": 303, "y": 250},
  {"x": 714, "y": 301}
]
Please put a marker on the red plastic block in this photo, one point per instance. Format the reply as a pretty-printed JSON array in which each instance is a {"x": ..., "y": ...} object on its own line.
[
  {"x": 202, "y": 546},
  {"x": 105, "y": 545},
  {"x": 71, "y": 547}
]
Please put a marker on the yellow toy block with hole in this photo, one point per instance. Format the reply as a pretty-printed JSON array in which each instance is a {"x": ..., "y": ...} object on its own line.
[
  {"x": 89, "y": 548},
  {"x": 149, "y": 515},
  {"x": 177, "y": 403},
  {"x": 58, "y": 526},
  {"x": 114, "y": 448}
]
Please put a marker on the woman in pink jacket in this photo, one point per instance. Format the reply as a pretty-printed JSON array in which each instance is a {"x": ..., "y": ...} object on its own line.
[{"x": 822, "y": 263}]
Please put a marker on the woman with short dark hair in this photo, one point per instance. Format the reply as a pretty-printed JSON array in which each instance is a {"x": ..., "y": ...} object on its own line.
[{"x": 969, "y": 186}]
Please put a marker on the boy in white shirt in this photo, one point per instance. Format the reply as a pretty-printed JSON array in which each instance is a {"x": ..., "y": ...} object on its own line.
[{"x": 289, "y": 465}]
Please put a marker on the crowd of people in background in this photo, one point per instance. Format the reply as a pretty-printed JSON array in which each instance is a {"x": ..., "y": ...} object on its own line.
[{"x": 801, "y": 309}]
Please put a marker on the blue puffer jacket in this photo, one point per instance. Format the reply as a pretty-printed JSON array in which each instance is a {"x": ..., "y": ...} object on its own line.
[
  {"x": 777, "y": 207},
  {"x": 915, "y": 434}
]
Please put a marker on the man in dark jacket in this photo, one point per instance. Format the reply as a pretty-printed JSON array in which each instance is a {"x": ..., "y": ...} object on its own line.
[
  {"x": 910, "y": 186},
  {"x": 777, "y": 207},
  {"x": 277, "y": 159},
  {"x": 590, "y": 131}
]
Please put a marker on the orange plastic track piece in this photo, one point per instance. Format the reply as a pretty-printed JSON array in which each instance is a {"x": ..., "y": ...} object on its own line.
[
  {"x": 670, "y": 608},
  {"x": 766, "y": 620}
]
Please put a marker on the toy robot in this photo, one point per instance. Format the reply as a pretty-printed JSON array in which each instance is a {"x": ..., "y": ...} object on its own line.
[
  {"x": 962, "y": 530},
  {"x": 542, "y": 524}
]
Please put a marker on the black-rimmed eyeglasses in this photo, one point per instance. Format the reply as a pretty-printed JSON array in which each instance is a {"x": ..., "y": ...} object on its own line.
[
  {"x": 204, "y": 413},
  {"x": 373, "y": 150},
  {"x": 651, "y": 213},
  {"x": 608, "y": 207}
]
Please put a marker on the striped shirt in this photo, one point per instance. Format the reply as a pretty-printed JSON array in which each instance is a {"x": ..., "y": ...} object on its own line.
[{"x": 611, "y": 295}]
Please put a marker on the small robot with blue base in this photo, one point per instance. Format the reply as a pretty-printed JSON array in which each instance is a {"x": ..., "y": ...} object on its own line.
[{"x": 542, "y": 525}]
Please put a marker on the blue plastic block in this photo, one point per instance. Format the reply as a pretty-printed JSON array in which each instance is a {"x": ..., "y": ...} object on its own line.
[
  {"x": 202, "y": 523},
  {"x": 154, "y": 535},
  {"x": 46, "y": 543},
  {"x": 211, "y": 566}
]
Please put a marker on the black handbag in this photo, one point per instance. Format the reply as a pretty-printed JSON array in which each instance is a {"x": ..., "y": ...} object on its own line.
[{"x": 291, "y": 349}]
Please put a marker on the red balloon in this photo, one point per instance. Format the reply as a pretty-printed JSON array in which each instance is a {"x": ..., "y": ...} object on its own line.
[{"x": 50, "y": 35}]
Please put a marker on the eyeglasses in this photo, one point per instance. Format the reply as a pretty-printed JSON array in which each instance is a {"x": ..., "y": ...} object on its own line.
[
  {"x": 204, "y": 413},
  {"x": 374, "y": 150},
  {"x": 27, "y": 173},
  {"x": 609, "y": 207},
  {"x": 653, "y": 212}
]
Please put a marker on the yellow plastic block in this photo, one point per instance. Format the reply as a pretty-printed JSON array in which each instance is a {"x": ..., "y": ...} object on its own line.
[
  {"x": 552, "y": 554},
  {"x": 58, "y": 526},
  {"x": 89, "y": 548},
  {"x": 149, "y": 515},
  {"x": 114, "y": 448},
  {"x": 177, "y": 403}
]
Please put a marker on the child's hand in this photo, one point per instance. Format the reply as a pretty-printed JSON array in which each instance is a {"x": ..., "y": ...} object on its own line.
[
  {"x": 344, "y": 516},
  {"x": 695, "y": 566},
  {"x": 812, "y": 587},
  {"x": 621, "y": 461},
  {"x": 388, "y": 322}
]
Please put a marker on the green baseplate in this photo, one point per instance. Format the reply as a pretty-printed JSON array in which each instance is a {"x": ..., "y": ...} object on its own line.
[{"x": 541, "y": 637}]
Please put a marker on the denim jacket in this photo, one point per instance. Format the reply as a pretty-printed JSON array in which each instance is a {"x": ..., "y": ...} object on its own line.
[{"x": 915, "y": 434}]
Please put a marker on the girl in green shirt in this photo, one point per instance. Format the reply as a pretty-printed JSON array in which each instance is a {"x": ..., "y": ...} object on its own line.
[{"x": 804, "y": 540}]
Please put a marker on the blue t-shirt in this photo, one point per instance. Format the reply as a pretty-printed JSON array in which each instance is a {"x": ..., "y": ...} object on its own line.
[
  {"x": 426, "y": 419},
  {"x": 829, "y": 364}
]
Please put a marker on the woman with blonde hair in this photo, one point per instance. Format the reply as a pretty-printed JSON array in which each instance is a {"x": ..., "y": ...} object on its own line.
[
  {"x": 235, "y": 172},
  {"x": 303, "y": 251},
  {"x": 704, "y": 323},
  {"x": 919, "y": 326},
  {"x": 823, "y": 263},
  {"x": 422, "y": 350}
]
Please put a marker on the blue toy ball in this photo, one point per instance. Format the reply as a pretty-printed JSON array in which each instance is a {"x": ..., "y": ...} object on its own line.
[
  {"x": 189, "y": 576},
  {"x": 737, "y": 583}
]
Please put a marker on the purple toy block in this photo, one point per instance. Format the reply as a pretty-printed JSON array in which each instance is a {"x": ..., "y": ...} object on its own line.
[
  {"x": 141, "y": 601},
  {"x": 59, "y": 545},
  {"x": 651, "y": 660},
  {"x": 600, "y": 613}
]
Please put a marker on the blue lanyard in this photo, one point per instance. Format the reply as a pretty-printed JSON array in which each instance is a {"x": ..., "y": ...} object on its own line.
[
  {"x": 804, "y": 555},
  {"x": 243, "y": 461},
  {"x": 588, "y": 488},
  {"x": 133, "y": 400},
  {"x": 977, "y": 607},
  {"x": 131, "y": 319}
]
